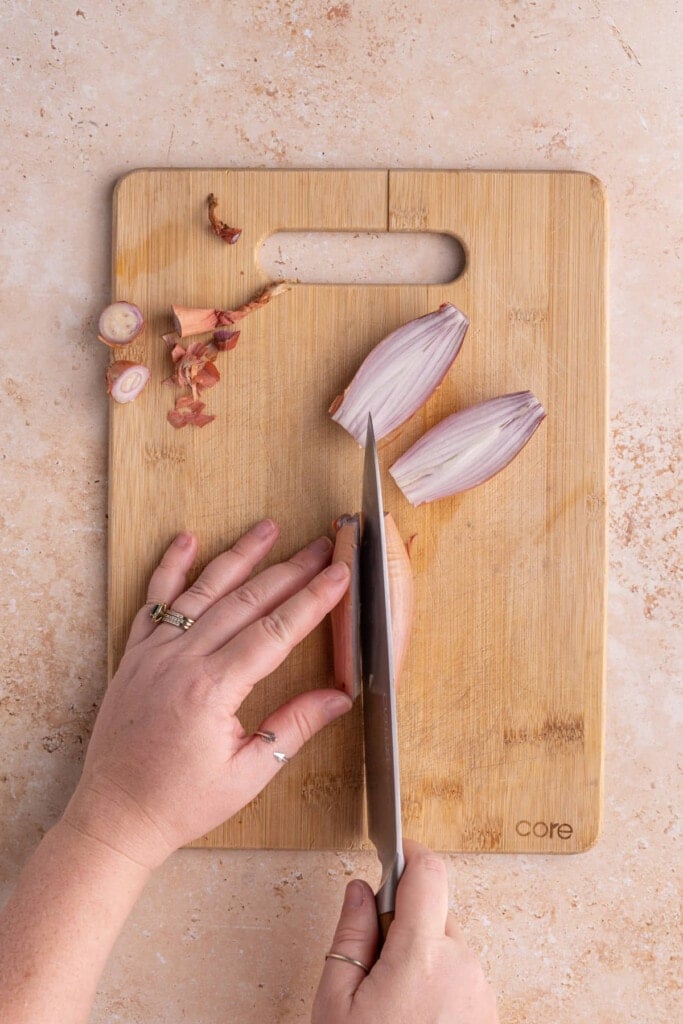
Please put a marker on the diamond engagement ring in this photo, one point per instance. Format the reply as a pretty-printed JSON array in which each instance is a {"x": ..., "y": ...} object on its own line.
[{"x": 162, "y": 613}]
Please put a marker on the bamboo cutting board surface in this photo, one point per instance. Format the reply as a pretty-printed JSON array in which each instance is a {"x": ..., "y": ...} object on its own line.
[{"x": 500, "y": 706}]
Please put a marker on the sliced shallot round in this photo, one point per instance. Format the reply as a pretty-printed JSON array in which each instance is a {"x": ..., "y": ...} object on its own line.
[
  {"x": 120, "y": 323},
  {"x": 125, "y": 380}
]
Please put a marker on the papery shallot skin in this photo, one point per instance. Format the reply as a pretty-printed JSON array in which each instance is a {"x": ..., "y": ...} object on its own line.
[
  {"x": 194, "y": 366},
  {"x": 218, "y": 226},
  {"x": 467, "y": 448},
  {"x": 401, "y": 373},
  {"x": 188, "y": 412},
  {"x": 224, "y": 339}
]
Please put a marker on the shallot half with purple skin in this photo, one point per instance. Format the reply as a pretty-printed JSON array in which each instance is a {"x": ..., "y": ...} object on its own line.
[
  {"x": 401, "y": 373},
  {"x": 467, "y": 448},
  {"x": 120, "y": 323}
]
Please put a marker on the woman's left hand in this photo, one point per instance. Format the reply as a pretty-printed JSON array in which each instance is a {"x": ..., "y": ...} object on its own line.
[{"x": 169, "y": 759}]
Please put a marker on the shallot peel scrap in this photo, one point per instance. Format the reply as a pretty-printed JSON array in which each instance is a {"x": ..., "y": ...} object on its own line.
[
  {"x": 188, "y": 412},
  {"x": 345, "y": 616},
  {"x": 224, "y": 339},
  {"x": 125, "y": 380},
  {"x": 401, "y": 373},
  {"x": 219, "y": 227},
  {"x": 468, "y": 448},
  {"x": 119, "y": 324},
  {"x": 189, "y": 320},
  {"x": 194, "y": 367}
]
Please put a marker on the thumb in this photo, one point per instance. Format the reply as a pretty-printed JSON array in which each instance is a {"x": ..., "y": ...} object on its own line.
[{"x": 355, "y": 937}]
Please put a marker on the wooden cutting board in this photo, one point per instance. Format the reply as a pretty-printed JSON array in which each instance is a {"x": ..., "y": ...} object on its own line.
[{"x": 500, "y": 707}]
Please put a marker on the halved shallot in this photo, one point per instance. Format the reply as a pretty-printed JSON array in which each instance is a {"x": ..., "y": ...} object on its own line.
[
  {"x": 400, "y": 373},
  {"x": 125, "y": 380},
  {"x": 120, "y": 323},
  {"x": 467, "y": 448},
  {"x": 189, "y": 321}
]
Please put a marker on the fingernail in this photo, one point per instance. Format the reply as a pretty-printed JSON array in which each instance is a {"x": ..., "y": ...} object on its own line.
[
  {"x": 338, "y": 703},
  {"x": 266, "y": 528},
  {"x": 320, "y": 546},
  {"x": 355, "y": 894},
  {"x": 338, "y": 571},
  {"x": 183, "y": 540}
]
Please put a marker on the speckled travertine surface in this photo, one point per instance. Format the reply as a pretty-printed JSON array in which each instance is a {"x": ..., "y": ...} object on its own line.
[{"x": 92, "y": 91}]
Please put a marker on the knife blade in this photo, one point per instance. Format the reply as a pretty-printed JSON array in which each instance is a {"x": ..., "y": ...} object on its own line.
[{"x": 382, "y": 782}]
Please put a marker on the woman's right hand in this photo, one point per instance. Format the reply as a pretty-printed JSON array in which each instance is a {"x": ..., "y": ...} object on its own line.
[{"x": 425, "y": 973}]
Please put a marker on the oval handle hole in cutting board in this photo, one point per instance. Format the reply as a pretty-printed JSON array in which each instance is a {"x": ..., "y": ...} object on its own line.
[{"x": 363, "y": 257}]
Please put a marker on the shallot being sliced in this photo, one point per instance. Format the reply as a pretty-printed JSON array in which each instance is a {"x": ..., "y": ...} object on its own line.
[
  {"x": 467, "y": 448},
  {"x": 125, "y": 380},
  {"x": 401, "y": 373},
  {"x": 401, "y": 595},
  {"x": 120, "y": 323},
  {"x": 345, "y": 616},
  {"x": 189, "y": 321}
]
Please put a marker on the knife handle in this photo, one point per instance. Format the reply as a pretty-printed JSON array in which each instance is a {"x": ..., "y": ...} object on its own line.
[{"x": 384, "y": 923}]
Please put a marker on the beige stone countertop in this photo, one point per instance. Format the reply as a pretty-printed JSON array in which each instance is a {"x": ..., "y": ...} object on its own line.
[{"x": 93, "y": 90}]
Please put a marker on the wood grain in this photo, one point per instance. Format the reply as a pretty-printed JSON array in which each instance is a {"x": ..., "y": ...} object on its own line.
[{"x": 501, "y": 703}]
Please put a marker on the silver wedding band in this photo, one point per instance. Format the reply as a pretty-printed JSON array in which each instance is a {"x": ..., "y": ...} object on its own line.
[
  {"x": 270, "y": 737},
  {"x": 348, "y": 960}
]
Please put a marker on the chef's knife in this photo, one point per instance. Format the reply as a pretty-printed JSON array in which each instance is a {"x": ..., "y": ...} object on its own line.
[{"x": 379, "y": 695}]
